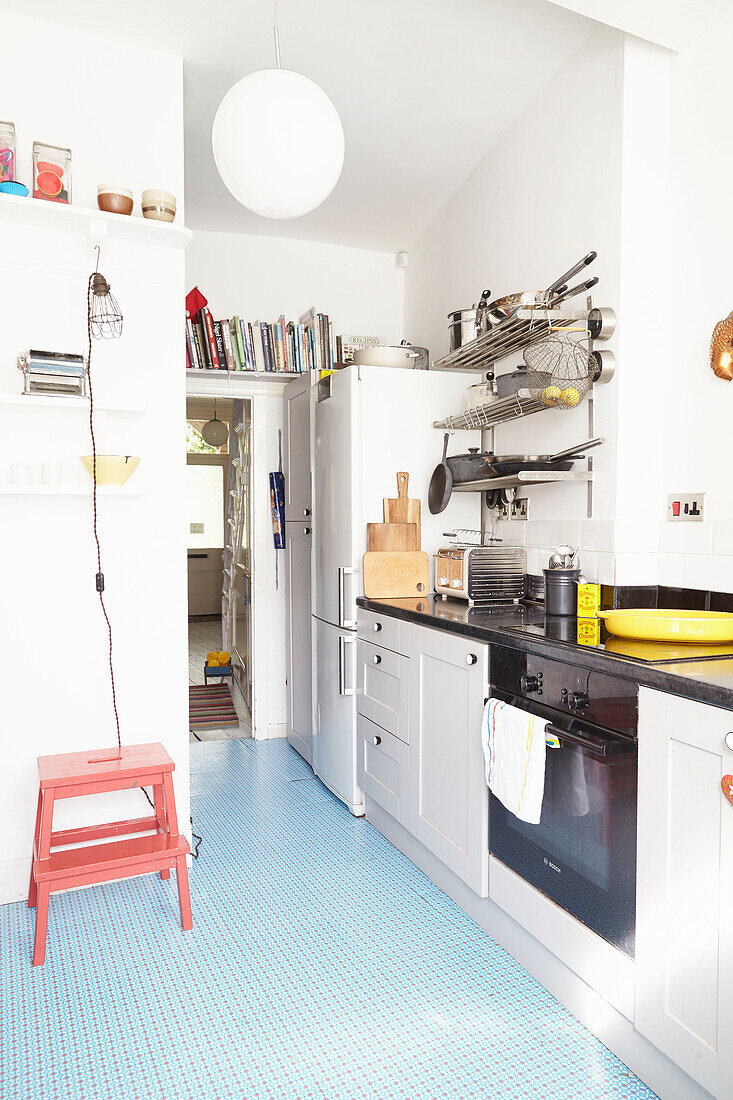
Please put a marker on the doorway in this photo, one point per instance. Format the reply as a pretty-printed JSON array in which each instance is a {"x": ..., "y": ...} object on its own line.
[{"x": 219, "y": 539}]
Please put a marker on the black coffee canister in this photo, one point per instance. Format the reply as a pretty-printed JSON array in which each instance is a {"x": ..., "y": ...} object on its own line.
[{"x": 561, "y": 591}]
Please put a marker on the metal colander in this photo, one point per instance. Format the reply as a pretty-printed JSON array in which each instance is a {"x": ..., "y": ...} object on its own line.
[{"x": 559, "y": 371}]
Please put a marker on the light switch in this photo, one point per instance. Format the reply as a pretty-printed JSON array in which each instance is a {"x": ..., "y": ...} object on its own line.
[{"x": 686, "y": 507}]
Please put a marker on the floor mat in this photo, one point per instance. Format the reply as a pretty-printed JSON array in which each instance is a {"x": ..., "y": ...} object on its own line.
[{"x": 211, "y": 707}]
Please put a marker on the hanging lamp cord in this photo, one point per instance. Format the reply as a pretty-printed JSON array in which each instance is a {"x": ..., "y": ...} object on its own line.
[
  {"x": 276, "y": 31},
  {"x": 99, "y": 579}
]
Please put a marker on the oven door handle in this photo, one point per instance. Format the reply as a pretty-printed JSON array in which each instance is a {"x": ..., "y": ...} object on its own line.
[{"x": 611, "y": 747}]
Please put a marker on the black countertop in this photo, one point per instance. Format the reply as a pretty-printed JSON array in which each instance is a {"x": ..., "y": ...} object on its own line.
[{"x": 524, "y": 627}]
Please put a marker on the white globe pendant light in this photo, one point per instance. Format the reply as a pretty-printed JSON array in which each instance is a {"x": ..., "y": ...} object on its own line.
[{"x": 278, "y": 142}]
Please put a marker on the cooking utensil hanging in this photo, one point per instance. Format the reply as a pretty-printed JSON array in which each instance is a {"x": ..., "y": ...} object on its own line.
[
  {"x": 560, "y": 370},
  {"x": 506, "y": 465},
  {"x": 441, "y": 483}
]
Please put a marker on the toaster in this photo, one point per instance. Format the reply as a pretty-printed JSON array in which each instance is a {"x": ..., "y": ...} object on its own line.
[{"x": 481, "y": 574}]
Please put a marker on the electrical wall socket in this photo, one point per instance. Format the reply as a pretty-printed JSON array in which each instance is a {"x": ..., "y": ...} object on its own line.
[
  {"x": 686, "y": 507},
  {"x": 518, "y": 509}
]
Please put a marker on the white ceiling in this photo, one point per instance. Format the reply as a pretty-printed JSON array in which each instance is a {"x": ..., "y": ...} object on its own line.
[{"x": 423, "y": 87}]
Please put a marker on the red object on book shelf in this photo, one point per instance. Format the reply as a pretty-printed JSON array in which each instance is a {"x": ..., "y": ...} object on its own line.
[
  {"x": 73, "y": 774},
  {"x": 195, "y": 301}
]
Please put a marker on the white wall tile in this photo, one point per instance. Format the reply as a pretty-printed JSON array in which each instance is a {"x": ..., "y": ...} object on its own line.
[
  {"x": 636, "y": 568},
  {"x": 723, "y": 536},
  {"x": 686, "y": 538},
  {"x": 568, "y": 531},
  {"x": 709, "y": 571},
  {"x": 589, "y": 565},
  {"x": 636, "y": 537},
  {"x": 672, "y": 570},
  {"x": 597, "y": 534},
  {"x": 605, "y": 568},
  {"x": 539, "y": 532}
]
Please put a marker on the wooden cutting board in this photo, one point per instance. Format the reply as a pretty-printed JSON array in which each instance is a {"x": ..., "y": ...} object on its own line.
[
  {"x": 392, "y": 575},
  {"x": 402, "y": 509},
  {"x": 392, "y": 536}
]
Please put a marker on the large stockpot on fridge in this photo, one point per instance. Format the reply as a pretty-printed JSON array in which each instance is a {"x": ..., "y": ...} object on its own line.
[{"x": 394, "y": 355}]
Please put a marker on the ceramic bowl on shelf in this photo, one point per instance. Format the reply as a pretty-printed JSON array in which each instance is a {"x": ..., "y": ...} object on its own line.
[
  {"x": 111, "y": 469},
  {"x": 158, "y": 205},
  {"x": 114, "y": 200}
]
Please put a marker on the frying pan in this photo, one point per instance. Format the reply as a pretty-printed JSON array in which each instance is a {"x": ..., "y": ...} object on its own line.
[
  {"x": 505, "y": 465},
  {"x": 503, "y": 309},
  {"x": 441, "y": 483}
]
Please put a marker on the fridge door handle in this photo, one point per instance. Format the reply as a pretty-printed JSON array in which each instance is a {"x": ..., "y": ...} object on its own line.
[
  {"x": 350, "y": 624},
  {"x": 343, "y": 642}
]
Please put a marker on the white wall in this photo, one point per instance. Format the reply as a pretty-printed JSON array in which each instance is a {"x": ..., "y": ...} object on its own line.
[
  {"x": 262, "y": 277},
  {"x": 545, "y": 194},
  {"x": 53, "y": 643},
  {"x": 697, "y": 407}
]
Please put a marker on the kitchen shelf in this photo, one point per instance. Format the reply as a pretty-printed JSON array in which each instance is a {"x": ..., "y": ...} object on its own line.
[
  {"x": 50, "y": 401},
  {"x": 508, "y": 338},
  {"x": 37, "y": 490},
  {"x": 524, "y": 477},
  {"x": 521, "y": 403},
  {"x": 270, "y": 375},
  {"x": 37, "y": 213}
]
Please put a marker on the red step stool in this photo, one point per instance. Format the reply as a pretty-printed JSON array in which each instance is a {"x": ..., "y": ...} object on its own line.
[{"x": 72, "y": 774}]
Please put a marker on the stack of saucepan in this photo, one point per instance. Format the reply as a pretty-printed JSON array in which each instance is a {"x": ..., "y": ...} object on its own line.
[{"x": 482, "y": 466}]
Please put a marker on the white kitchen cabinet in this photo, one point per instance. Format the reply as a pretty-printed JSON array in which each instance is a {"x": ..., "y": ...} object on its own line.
[
  {"x": 448, "y": 795},
  {"x": 298, "y": 539},
  {"x": 382, "y": 688},
  {"x": 684, "y": 944},
  {"x": 383, "y": 768},
  {"x": 297, "y": 457}
]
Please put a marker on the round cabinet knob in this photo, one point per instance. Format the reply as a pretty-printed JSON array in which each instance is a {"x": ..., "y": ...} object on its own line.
[
  {"x": 377, "y": 627},
  {"x": 376, "y": 740},
  {"x": 306, "y": 512},
  {"x": 729, "y": 740},
  {"x": 471, "y": 658},
  {"x": 377, "y": 659}
]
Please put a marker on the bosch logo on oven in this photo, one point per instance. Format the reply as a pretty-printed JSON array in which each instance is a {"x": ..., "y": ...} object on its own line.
[{"x": 552, "y": 866}]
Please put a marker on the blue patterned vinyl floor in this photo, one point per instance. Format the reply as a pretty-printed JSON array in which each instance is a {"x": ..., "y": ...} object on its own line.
[{"x": 322, "y": 964}]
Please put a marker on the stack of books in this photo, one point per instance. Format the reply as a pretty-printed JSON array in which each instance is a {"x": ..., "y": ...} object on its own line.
[{"x": 284, "y": 347}]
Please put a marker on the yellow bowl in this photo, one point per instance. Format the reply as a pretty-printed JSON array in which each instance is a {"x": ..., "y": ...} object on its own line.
[
  {"x": 668, "y": 625},
  {"x": 111, "y": 469}
]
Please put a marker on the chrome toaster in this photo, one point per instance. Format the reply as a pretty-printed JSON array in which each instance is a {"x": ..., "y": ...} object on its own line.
[{"x": 481, "y": 574}]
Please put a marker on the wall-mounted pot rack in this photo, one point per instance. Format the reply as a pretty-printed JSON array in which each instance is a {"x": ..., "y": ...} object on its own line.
[{"x": 527, "y": 327}]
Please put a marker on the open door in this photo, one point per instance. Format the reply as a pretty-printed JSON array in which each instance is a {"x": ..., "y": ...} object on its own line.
[{"x": 237, "y": 575}]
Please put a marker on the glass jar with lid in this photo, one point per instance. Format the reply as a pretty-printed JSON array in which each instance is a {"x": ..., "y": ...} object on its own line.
[
  {"x": 7, "y": 152},
  {"x": 51, "y": 172}
]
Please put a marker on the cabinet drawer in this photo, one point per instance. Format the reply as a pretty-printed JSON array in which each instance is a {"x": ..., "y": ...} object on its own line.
[
  {"x": 383, "y": 630},
  {"x": 382, "y": 688},
  {"x": 382, "y": 768}
]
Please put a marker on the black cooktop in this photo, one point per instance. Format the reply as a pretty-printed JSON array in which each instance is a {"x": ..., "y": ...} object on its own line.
[
  {"x": 592, "y": 634},
  {"x": 529, "y": 619}
]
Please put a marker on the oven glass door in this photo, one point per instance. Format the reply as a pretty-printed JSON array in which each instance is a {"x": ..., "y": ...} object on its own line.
[{"x": 582, "y": 854}]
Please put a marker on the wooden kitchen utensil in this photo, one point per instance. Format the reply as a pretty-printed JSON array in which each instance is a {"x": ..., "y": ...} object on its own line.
[
  {"x": 402, "y": 509},
  {"x": 392, "y": 536},
  {"x": 395, "y": 574}
]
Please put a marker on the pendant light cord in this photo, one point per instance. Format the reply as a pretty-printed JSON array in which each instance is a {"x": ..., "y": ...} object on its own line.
[
  {"x": 276, "y": 30},
  {"x": 99, "y": 580}
]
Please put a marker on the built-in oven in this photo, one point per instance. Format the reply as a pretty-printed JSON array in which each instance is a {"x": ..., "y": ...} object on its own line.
[{"x": 582, "y": 854}]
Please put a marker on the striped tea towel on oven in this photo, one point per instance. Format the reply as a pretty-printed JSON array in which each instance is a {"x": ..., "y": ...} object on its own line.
[{"x": 514, "y": 752}]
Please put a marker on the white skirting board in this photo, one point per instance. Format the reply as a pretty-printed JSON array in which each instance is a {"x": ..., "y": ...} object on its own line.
[{"x": 604, "y": 1021}]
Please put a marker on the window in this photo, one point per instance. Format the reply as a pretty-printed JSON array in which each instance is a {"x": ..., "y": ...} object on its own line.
[{"x": 205, "y": 505}]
